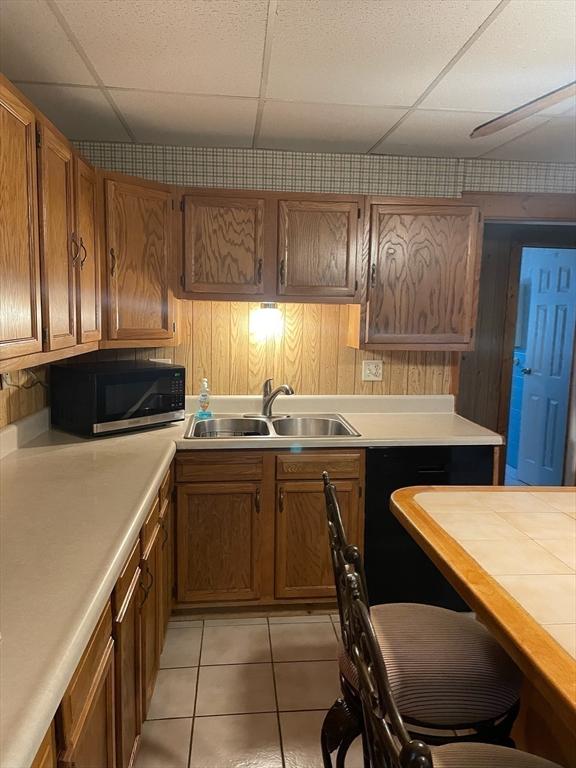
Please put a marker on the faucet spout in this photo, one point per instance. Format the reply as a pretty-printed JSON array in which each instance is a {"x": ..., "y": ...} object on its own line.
[{"x": 270, "y": 395}]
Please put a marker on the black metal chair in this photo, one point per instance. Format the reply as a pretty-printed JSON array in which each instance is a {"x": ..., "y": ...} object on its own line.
[
  {"x": 451, "y": 680},
  {"x": 388, "y": 741}
]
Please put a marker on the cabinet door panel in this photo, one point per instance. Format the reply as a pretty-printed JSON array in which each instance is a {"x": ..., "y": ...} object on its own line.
[
  {"x": 58, "y": 243},
  {"x": 150, "y": 651},
  {"x": 422, "y": 281},
  {"x": 127, "y": 660},
  {"x": 303, "y": 563},
  {"x": 94, "y": 745},
  {"x": 317, "y": 248},
  {"x": 218, "y": 541},
  {"x": 20, "y": 321},
  {"x": 88, "y": 263},
  {"x": 138, "y": 262},
  {"x": 223, "y": 245}
]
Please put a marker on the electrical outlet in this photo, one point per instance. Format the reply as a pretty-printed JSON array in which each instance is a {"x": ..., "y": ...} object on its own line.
[{"x": 371, "y": 370}]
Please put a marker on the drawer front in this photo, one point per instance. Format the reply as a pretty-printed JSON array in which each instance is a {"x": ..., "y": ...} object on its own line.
[
  {"x": 218, "y": 466},
  {"x": 150, "y": 526},
  {"x": 77, "y": 696},
  {"x": 166, "y": 486},
  {"x": 126, "y": 577},
  {"x": 309, "y": 466}
]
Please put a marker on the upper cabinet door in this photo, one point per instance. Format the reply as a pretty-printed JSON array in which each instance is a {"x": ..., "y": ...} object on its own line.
[
  {"x": 20, "y": 319},
  {"x": 317, "y": 248},
  {"x": 88, "y": 262},
  {"x": 422, "y": 281},
  {"x": 59, "y": 249},
  {"x": 138, "y": 252},
  {"x": 224, "y": 245}
]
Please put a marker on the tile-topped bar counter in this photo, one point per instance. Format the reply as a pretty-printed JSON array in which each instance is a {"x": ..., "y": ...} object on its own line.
[{"x": 511, "y": 554}]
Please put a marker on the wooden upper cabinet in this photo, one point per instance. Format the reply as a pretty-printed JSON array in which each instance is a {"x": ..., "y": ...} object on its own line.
[
  {"x": 422, "y": 276},
  {"x": 224, "y": 245},
  {"x": 88, "y": 298},
  {"x": 20, "y": 318},
  {"x": 139, "y": 269},
  {"x": 303, "y": 561},
  {"x": 317, "y": 248},
  {"x": 59, "y": 249},
  {"x": 218, "y": 541}
]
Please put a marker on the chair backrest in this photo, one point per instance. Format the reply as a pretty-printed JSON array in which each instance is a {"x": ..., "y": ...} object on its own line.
[
  {"x": 387, "y": 739},
  {"x": 343, "y": 556}
]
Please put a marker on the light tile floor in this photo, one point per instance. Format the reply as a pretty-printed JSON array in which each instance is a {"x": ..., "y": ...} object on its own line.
[{"x": 243, "y": 692}]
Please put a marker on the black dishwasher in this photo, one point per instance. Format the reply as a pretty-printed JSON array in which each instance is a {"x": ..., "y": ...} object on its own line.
[{"x": 397, "y": 570}]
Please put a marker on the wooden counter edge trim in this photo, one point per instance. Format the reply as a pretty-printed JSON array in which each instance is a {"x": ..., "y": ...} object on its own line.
[{"x": 538, "y": 655}]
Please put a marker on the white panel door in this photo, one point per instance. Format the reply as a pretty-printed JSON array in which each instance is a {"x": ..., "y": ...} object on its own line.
[{"x": 548, "y": 365}]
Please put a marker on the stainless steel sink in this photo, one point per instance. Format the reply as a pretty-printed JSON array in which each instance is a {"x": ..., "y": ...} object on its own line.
[
  {"x": 312, "y": 426},
  {"x": 228, "y": 427},
  {"x": 297, "y": 425}
]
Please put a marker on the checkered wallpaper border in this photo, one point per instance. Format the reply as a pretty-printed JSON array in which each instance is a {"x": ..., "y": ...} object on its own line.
[{"x": 325, "y": 172}]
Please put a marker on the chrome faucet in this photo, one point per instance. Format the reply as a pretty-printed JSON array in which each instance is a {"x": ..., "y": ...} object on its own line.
[{"x": 269, "y": 395}]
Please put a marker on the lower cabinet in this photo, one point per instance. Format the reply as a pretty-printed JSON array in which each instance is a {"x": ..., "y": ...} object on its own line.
[
  {"x": 303, "y": 561},
  {"x": 86, "y": 713},
  {"x": 150, "y": 581},
  {"x": 251, "y": 525},
  {"x": 218, "y": 540},
  {"x": 128, "y": 685},
  {"x": 46, "y": 756},
  {"x": 166, "y": 554}
]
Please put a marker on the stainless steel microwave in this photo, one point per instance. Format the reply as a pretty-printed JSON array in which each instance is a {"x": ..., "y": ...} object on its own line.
[{"x": 99, "y": 398}]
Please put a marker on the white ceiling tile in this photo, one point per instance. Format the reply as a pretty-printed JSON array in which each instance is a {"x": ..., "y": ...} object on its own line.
[
  {"x": 555, "y": 141},
  {"x": 324, "y": 127},
  {"x": 33, "y": 45},
  {"x": 189, "y": 46},
  {"x": 447, "y": 134},
  {"x": 206, "y": 121},
  {"x": 80, "y": 113},
  {"x": 366, "y": 52},
  {"x": 528, "y": 50}
]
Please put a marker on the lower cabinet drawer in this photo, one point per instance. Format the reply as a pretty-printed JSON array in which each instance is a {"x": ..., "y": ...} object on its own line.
[
  {"x": 309, "y": 466},
  {"x": 219, "y": 466}
]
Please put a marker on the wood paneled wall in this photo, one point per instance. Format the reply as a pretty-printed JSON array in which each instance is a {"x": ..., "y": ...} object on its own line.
[
  {"x": 311, "y": 355},
  {"x": 19, "y": 400}
]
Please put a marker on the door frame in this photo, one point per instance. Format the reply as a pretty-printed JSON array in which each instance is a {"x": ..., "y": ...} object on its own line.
[{"x": 517, "y": 246}]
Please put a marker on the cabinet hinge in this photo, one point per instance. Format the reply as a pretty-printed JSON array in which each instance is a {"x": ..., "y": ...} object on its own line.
[
  {"x": 355, "y": 285},
  {"x": 360, "y": 492},
  {"x": 172, "y": 204},
  {"x": 359, "y": 212},
  {"x": 182, "y": 280},
  {"x": 174, "y": 327},
  {"x": 38, "y": 137},
  {"x": 44, "y": 335},
  {"x": 182, "y": 204}
]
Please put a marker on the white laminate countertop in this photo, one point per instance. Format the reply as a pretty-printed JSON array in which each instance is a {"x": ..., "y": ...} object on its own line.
[{"x": 71, "y": 509}]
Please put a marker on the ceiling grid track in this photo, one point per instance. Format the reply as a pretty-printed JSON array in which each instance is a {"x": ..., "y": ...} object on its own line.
[
  {"x": 442, "y": 74},
  {"x": 82, "y": 53},
  {"x": 266, "y": 55}
]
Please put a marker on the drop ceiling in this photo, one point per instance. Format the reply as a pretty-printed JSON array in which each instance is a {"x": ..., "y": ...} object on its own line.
[{"x": 401, "y": 77}]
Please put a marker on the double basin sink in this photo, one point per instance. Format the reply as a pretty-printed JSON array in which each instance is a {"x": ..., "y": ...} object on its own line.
[{"x": 296, "y": 425}]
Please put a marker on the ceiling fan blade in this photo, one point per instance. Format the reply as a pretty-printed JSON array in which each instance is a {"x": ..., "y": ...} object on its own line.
[{"x": 520, "y": 113}]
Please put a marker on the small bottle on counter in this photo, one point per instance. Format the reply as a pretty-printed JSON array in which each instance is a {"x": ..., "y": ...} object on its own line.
[{"x": 204, "y": 411}]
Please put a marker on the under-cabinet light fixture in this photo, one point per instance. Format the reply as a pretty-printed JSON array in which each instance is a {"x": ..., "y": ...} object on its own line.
[{"x": 266, "y": 322}]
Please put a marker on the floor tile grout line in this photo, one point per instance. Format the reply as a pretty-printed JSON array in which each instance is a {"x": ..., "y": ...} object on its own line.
[
  {"x": 237, "y": 714},
  {"x": 278, "y": 723},
  {"x": 195, "y": 696}
]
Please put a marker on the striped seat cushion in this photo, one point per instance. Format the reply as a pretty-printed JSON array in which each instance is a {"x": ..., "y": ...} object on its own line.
[
  {"x": 485, "y": 756},
  {"x": 445, "y": 668}
]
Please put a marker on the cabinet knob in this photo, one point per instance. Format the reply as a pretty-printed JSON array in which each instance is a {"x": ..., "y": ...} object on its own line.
[
  {"x": 281, "y": 500},
  {"x": 259, "y": 272},
  {"x": 75, "y": 249},
  {"x": 83, "y": 248},
  {"x": 112, "y": 262}
]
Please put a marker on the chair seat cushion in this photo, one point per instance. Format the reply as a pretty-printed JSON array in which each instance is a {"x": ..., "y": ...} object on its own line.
[
  {"x": 485, "y": 756},
  {"x": 445, "y": 668}
]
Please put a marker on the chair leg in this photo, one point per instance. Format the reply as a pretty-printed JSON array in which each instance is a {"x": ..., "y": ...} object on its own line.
[
  {"x": 344, "y": 747},
  {"x": 339, "y": 729}
]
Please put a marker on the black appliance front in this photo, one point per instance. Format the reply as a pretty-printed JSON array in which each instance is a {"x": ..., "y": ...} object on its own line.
[{"x": 397, "y": 569}]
